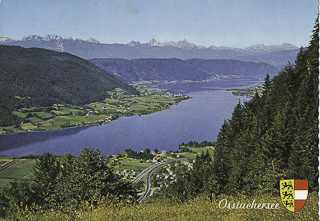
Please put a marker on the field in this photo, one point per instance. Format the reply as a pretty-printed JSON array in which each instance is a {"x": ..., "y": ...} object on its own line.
[
  {"x": 197, "y": 151},
  {"x": 132, "y": 164},
  {"x": 249, "y": 92},
  {"x": 19, "y": 170},
  {"x": 4, "y": 162},
  {"x": 61, "y": 116}
]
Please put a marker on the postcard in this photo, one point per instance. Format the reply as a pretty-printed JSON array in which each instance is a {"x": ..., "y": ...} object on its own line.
[{"x": 159, "y": 110}]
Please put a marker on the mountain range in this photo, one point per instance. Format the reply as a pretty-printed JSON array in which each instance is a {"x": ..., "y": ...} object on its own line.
[
  {"x": 173, "y": 69},
  {"x": 276, "y": 55}
]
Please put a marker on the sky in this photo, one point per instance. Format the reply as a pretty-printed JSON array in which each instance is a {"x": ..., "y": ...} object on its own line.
[{"x": 233, "y": 23}]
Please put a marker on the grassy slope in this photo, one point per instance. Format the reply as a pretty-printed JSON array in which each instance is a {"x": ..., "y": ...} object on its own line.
[{"x": 200, "y": 208}]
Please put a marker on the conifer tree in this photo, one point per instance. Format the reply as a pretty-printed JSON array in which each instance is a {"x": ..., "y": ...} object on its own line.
[{"x": 275, "y": 135}]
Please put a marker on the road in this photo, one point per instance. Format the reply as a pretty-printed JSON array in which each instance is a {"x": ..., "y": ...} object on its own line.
[
  {"x": 9, "y": 164},
  {"x": 149, "y": 172}
]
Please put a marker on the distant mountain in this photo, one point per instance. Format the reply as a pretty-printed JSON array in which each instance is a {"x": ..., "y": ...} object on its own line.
[
  {"x": 153, "y": 43},
  {"x": 39, "y": 77},
  {"x": 271, "y": 48},
  {"x": 184, "y": 44},
  {"x": 4, "y": 39},
  {"x": 137, "y": 70},
  {"x": 277, "y": 55}
]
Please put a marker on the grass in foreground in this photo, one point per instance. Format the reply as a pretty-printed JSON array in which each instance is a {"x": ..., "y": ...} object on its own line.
[{"x": 200, "y": 208}]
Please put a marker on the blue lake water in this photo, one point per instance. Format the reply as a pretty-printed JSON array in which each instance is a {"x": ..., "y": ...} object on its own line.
[{"x": 196, "y": 119}]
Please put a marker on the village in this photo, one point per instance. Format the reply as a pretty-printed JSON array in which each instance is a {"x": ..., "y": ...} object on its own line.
[{"x": 130, "y": 169}]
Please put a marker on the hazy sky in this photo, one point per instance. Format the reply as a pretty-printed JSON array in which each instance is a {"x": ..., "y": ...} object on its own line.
[{"x": 235, "y": 23}]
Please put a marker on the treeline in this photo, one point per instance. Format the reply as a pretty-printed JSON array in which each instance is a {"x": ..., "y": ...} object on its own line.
[
  {"x": 192, "y": 181},
  {"x": 143, "y": 155},
  {"x": 274, "y": 136},
  {"x": 67, "y": 182},
  {"x": 196, "y": 144}
]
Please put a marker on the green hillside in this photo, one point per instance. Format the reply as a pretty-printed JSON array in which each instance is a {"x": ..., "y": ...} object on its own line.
[
  {"x": 40, "y": 78},
  {"x": 275, "y": 135},
  {"x": 272, "y": 137}
]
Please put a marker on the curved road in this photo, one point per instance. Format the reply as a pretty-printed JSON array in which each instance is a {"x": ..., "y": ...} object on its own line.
[
  {"x": 149, "y": 171},
  {"x": 143, "y": 173}
]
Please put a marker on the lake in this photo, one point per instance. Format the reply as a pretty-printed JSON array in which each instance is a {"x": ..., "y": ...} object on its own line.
[{"x": 197, "y": 119}]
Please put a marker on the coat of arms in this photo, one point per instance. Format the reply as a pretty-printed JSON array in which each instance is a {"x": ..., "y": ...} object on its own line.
[{"x": 294, "y": 193}]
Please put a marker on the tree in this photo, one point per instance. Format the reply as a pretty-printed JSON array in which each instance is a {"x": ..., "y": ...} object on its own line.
[
  {"x": 17, "y": 194},
  {"x": 303, "y": 159},
  {"x": 275, "y": 135},
  {"x": 195, "y": 144},
  {"x": 89, "y": 178},
  {"x": 266, "y": 85},
  {"x": 221, "y": 162},
  {"x": 45, "y": 175}
]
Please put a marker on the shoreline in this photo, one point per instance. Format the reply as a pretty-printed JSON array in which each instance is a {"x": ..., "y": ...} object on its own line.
[{"x": 97, "y": 122}]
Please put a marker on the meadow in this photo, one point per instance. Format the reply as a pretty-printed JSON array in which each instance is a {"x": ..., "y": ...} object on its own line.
[
  {"x": 199, "y": 208},
  {"x": 19, "y": 170},
  {"x": 118, "y": 104}
]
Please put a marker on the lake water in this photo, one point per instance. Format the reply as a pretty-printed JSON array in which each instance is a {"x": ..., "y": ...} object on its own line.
[{"x": 197, "y": 119}]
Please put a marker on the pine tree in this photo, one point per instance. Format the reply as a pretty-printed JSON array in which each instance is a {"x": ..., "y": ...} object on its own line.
[
  {"x": 303, "y": 159},
  {"x": 275, "y": 135},
  {"x": 222, "y": 163}
]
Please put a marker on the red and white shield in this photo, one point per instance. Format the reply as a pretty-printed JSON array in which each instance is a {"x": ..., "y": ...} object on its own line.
[{"x": 294, "y": 193}]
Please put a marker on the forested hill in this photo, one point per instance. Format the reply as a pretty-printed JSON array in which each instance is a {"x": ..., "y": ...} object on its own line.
[
  {"x": 274, "y": 136},
  {"x": 39, "y": 77},
  {"x": 172, "y": 69}
]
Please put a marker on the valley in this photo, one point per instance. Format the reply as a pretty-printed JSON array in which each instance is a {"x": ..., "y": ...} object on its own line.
[
  {"x": 215, "y": 118},
  {"x": 176, "y": 124}
]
